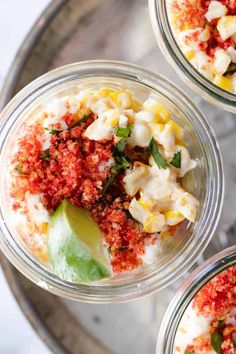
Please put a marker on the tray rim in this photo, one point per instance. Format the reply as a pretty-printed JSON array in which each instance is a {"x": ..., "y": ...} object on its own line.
[
  {"x": 27, "y": 309},
  {"x": 31, "y": 38}
]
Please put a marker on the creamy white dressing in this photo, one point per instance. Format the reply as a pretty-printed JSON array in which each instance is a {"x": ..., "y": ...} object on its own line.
[
  {"x": 191, "y": 326},
  {"x": 163, "y": 201},
  {"x": 37, "y": 212}
]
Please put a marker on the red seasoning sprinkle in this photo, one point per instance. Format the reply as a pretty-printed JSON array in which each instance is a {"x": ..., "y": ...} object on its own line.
[
  {"x": 217, "y": 300},
  {"x": 71, "y": 169},
  {"x": 123, "y": 237},
  {"x": 218, "y": 297},
  {"x": 190, "y": 15}
]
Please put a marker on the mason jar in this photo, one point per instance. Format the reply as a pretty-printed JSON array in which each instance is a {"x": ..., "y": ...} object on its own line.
[
  {"x": 186, "y": 71},
  {"x": 205, "y": 181},
  {"x": 185, "y": 294}
]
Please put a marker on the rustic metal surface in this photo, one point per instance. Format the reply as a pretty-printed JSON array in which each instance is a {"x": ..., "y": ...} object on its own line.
[{"x": 77, "y": 30}]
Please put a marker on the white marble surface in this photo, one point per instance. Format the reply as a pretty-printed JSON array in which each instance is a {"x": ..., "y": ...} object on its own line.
[{"x": 16, "y": 334}]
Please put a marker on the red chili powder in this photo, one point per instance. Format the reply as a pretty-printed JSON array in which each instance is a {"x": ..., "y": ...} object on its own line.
[
  {"x": 191, "y": 15},
  {"x": 218, "y": 296},
  {"x": 71, "y": 169}
]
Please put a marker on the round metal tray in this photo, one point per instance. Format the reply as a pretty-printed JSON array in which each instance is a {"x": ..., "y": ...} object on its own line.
[{"x": 77, "y": 30}]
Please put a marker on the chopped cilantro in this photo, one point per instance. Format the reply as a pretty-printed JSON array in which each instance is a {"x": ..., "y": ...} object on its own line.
[
  {"x": 53, "y": 131},
  {"x": 121, "y": 145},
  {"x": 234, "y": 340},
  {"x": 216, "y": 341},
  {"x": 45, "y": 155},
  {"x": 221, "y": 324},
  {"x": 80, "y": 121},
  {"x": 111, "y": 179},
  {"x": 153, "y": 150},
  {"x": 176, "y": 161},
  {"x": 124, "y": 132},
  {"x": 121, "y": 163},
  {"x": 19, "y": 168}
]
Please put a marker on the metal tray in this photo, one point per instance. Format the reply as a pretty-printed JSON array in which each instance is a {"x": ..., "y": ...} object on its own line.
[{"x": 77, "y": 30}]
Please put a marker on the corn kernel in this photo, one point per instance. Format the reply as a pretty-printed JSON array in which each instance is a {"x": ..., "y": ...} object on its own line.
[
  {"x": 226, "y": 26},
  {"x": 136, "y": 105},
  {"x": 146, "y": 202},
  {"x": 111, "y": 117},
  {"x": 186, "y": 27},
  {"x": 162, "y": 115},
  {"x": 224, "y": 82},
  {"x": 43, "y": 256},
  {"x": 143, "y": 204},
  {"x": 183, "y": 330},
  {"x": 154, "y": 222},
  {"x": 122, "y": 98},
  {"x": 178, "y": 131},
  {"x": 148, "y": 223},
  {"x": 173, "y": 217},
  {"x": 44, "y": 227},
  {"x": 165, "y": 235},
  {"x": 113, "y": 121},
  {"x": 105, "y": 92},
  {"x": 190, "y": 55},
  {"x": 173, "y": 18}
]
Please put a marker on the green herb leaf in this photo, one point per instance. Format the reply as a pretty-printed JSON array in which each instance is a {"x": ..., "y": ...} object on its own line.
[
  {"x": 121, "y": 163},
  {"x": 45, "y": 155},
  {"x": 188, "y": 351},
  {"x": 176, "y": 161},
  {"x": 234, "y": 340},
  {"x": 221, "y": 324},
  {"x": 53, "y": 131},
  {"x": 124, "y": 163},
  {"x": 19, "y": 168},
  {"x": 123, "y": 132},
  {"x": 111, "y": 179},
  {"x": 149, "y": 148},
  {"x": 153, "y": 150},
  {"x": 121, "y": 145},
  {"x": 79, "y": 122},
  {"x": 216, "y": 341}
]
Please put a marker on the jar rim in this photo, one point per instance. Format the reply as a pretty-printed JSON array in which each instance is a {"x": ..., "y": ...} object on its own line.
[
  {"x": 154, "y": 281},
  {"x": 185, "y": 294},
  {"x": 176, "y": 58}
]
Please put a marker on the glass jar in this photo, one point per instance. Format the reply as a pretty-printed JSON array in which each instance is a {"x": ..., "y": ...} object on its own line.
[
  {"x": 200, "y": 277},
  {"x": 190, "y": 75},
  {"x": 206, "y": 180}
]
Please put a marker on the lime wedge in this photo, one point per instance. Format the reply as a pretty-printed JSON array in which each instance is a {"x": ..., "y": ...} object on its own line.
[{"x": 75, "y": 245}]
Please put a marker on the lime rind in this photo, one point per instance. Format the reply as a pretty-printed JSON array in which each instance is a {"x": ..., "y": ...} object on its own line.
[{"x": 75, "y": 245}]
